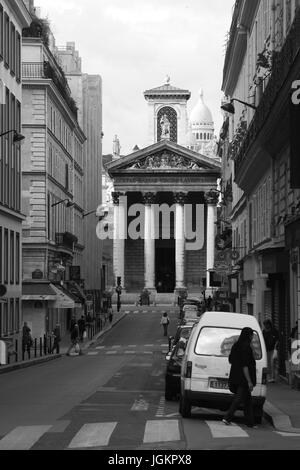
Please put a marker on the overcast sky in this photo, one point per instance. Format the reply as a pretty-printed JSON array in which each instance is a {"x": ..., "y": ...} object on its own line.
[{"x": 134, "y": 44}]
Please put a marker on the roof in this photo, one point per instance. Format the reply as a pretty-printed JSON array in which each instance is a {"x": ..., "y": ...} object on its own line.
[{"x": 167, "y": 90}]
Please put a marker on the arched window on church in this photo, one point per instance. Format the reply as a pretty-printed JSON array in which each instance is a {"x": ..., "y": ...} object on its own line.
[
  {"x": 204, "y": 135},
  {"x": 197, "y": 136},
  {"x": 201, "y": 136},
  {"x": 172, "y": 117}
]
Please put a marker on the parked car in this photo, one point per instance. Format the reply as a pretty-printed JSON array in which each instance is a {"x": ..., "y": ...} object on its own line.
[
  {"x": 183, "y": 331},
  {"x": 172, "y": 378},
  {"x": 205, "y": 366},
  {"x": 190, "y": 314},
  {"x": 194, "y": 301}
]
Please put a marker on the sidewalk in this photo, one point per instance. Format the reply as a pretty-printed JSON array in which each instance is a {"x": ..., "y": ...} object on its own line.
[
  {"x": 64, "y": 347},
  {"x": 282, "y": 407}
]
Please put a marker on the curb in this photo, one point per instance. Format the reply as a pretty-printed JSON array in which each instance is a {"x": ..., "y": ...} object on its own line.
[
  {"x": 279, "y": 420},
  {"x": 103, "y": 332},
  {"x": 25, "y": 364}
]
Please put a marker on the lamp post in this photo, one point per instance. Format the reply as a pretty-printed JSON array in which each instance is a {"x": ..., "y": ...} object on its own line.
[
  {"x": 229, "y": 107},
  {"x": 17, "y": 136}
]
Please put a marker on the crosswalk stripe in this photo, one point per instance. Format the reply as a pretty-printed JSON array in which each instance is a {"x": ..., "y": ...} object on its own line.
[
  {"x": 161, "y": 431},
  {"x": 23, "y": 437},
  {"x": 129, "y": 352},
  {"x": 287, "y": 434},
  {"x": 219, "y": 430},
  {"x": 100, "y": 347},
  {"x": 93, "y": 435}
]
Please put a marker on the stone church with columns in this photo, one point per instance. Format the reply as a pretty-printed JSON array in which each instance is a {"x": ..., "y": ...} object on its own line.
[{"x": 167, "y": 193}]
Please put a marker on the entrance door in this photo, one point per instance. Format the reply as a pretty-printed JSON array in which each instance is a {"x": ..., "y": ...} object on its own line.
[{"x": 165, "y": 266}]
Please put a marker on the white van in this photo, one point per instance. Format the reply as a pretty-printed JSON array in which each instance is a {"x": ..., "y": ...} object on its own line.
[{"x": 206, "y": 368}]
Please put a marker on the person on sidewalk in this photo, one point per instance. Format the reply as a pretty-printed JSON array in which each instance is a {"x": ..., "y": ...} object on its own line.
[
  {"x": 82, "y": 327},
  {"x": 27, "y": 340},
  {"x": 242, "y": 378},
  {"x": 110, "y": 314},
  {"x": 165, "y": 322},
  {"x": 56, "y": 339},
  {"x": 271, "y": 337},
  {"x": 75, "y": 341}
]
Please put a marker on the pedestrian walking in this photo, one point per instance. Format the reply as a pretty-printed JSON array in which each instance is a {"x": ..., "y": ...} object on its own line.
[
  {"x": 56, "y": 339},
  {"x": 27, "y": 340},
  {"x": 242, "y": 378},
  {"x": 82, "y": 327},
  {"x": 74, "y": 340},
  {"x": 271, "y": 337},
  {"x": 110, "y": 314},
  {"x": 165, "y": 322}
]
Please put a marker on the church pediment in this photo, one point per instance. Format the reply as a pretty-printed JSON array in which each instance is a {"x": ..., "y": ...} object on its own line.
[{"x": 165, "y": 156}]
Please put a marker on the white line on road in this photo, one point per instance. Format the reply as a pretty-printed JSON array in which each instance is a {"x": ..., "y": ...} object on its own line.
[
  {"x": 140, "y": 405},
  {"x": 23, "y": 437},
  {"x": 219, "y": 430},
  {"x": 129, "y": 352},
  {"x": 93, "y": 435},
  {"x": 287, "y": 434},
  {"x": 100, "y": 347},
  {"x": 161, "y": 431},
  {"x": 93, "y": 353}
]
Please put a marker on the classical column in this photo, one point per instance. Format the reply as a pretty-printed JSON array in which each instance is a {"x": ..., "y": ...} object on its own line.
[
  {"x": 149, "y": 236},
  {"x": 180, "y": 201},
  {"x": 119, "y": 238},
  {"x": 211, "y": 198}
]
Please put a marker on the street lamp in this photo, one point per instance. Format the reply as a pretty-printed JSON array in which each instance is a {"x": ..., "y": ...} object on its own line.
[
  {"x": 69, "y": 203},
  {"x": 17, "y": 136},
  {"x": 229, "y": 107}
]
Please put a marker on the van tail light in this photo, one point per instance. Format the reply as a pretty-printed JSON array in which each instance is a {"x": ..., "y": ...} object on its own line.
[
  {"x": 264, "y": 376},
  {"x": 188, "y": 372}
]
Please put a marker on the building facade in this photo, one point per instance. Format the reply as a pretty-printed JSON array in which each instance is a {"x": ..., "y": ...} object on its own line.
[
  {"x": 87, "y": 92},
  {"x": 13, "y": 18},
  {"x": 53, "y": 189},
  {"x": 261, "y": 65},
  {"x": 165, "y": 209}
]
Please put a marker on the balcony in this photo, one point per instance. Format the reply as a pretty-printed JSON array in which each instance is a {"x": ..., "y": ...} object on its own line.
[
  {"x": 46, "y": 70},
  {"x": 66, "y": 241},
  {"x": 282, "y": 64}
]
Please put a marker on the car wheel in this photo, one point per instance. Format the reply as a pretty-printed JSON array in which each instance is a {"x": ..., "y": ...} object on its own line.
[{"x": 185, "y": 407}]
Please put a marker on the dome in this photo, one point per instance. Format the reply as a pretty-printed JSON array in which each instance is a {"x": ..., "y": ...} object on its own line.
[{"x": 201, "y": 114}]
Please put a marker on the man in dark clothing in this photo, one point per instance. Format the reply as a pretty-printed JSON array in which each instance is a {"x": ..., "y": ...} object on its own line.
[
  {"x": 56, "y": 339},
  {"x": 242, "y": 379},
  {"x": 27, "y": 341},
  {"x": 81, "y": 326},
  {"x": 271, "y": 337},
  {"x": 74, "y": 340}
]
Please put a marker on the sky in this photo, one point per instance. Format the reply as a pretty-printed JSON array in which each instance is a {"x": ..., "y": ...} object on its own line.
[{"x": 135, "y": 44}]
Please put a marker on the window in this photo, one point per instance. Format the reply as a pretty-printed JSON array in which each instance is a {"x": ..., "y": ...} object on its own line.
[
  {"x": 6, "y": 40},
  {"x": 5, "y": 319},
  {"x": 18, "y": 57},
  {"x": 11, "y": 317},
  {"x": 17, "y": 316},
  {"x": 12, "y": 49},
  {"x": 214, "y": 341},
  {"x": 12, "y": 257},
  {"x": 6, "y": 256},
  {"x": 18, "y": 254},
  {"x": 1, "y": 33},
  {"x": 67, "y": 177}
]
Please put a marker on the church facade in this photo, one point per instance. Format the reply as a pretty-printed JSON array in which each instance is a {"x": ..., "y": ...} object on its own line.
[{"x": 165, "y": 202}]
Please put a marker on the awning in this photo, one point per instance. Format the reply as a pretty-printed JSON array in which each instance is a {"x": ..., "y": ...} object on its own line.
[
  {"x": 63, "y": 299},
  {"x": 38, "y": 291}
]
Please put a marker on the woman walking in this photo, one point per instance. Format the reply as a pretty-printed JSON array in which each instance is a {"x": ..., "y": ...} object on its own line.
[
  {"x": 242, "y": 378},
  {"x": 165, "y": 323}
]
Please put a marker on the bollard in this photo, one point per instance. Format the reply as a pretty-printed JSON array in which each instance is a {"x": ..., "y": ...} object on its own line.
[
  {"x": 45, "y": 345},
  {"x": 17, "y": 350},
  {"x": 35, "y": 347},
  {"x": 41, "y": 347}
]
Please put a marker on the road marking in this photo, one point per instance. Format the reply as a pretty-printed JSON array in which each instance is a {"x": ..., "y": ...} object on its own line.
[
  {"x": 136, "y": 311},
  {"x": 111, "y": 353},
  {"x": 93, "y": 353},
  {"x": 161, "y": 408},
  {"x": 161, "y": 431},
  {"x": 129, "y": 352},
  {"x": 172, "y": 415},
  {"x": 219, "y": 430},
  {"x": 140, "y": 405},
  {"x": 128, "y": 311},
  {"x": 93, "y": 435},
  {"x": 23, "y": 437},
  {"x": 100, "y": 347}
]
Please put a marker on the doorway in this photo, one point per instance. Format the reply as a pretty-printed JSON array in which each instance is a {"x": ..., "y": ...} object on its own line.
[{"x": 165, "y": 266}]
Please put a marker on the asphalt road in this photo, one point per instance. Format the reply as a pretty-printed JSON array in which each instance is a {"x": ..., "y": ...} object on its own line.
[{"x": 112, "y": 398}]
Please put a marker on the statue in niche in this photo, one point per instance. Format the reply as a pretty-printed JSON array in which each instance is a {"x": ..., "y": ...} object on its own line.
[{"x": 165, "y": 127}]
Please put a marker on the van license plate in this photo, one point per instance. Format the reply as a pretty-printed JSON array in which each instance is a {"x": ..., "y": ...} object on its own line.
[{"x": 219, "y": 384}]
